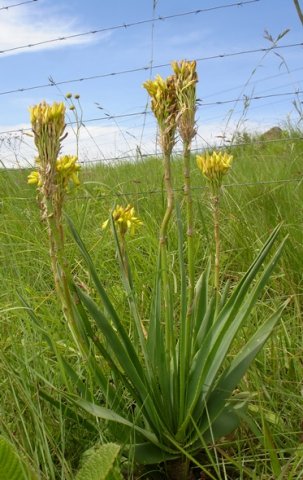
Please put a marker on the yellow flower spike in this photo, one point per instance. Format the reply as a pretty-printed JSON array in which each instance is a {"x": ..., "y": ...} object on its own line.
[
  {"x": 214, "y": 166},
  {"x": 34, "y": 178},
  {"x": 162, "y": 95},
  {"x": 124, "y": 219},
  {"x": 185, "y": 79},
  {"x": 163, "y": 105},
  {"x": 44, "y": 115}
]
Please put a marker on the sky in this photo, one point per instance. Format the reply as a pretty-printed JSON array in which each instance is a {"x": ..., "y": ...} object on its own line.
[{"x": 222, "y": 28}]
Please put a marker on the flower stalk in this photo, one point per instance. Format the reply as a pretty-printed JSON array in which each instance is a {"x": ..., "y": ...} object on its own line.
[
  {"x": 52, "y": 178},
  {"x": 186, "y": 78},
  {"x": 164, "y": 106},
  {"x": 125, "y": 222},
  {"x": 214, "y": 166}
]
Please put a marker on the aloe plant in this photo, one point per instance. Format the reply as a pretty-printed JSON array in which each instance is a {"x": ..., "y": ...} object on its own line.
[
  {"x": 171, "y": 388},
  {"x": 168, "y": 419}
]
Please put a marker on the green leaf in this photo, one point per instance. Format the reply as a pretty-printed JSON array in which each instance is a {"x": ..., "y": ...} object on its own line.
[
  {"x": 127, "y": 364},
  {"x": 201, "y": 303},
  {"x": 156, "y": 345},
  {"x": 107, "y": 414},
  {"x": 148, "y": 454},
  {"x": 238, "y": 367},
  {"x": 221, "y": 342},
  {"x": 271, "y": 449},
  {"x": 68, "y": 412},
  {"x": 101, "y": 464},
  {"x": 105, "y": 300},
  {"x": 227, "y": 421},
  {"x": 217, "y": 342},
  {"x": 11, "y": 465},
  {"x": 126, "y": 278}
]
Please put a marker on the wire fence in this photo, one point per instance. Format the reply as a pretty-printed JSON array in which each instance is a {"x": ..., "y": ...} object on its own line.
[
  {"x": 124, "y": 25},
  {"x": 89, "y": 196},
  {"x": 143, "y": 156},
  {"x": 8, "y": 7},
  {"x": 201, "y": 104},
  {"x": 218, "y": 56},
  {"x": 140, "y": 152}
]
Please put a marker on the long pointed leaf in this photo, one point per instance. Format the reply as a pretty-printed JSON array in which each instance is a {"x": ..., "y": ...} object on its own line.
[
  {"x": 130, "y": 364},
  {"x": 130, "y": 293},
  {"x": 105, "y": 300},
  {"x": 110, "y": 415},
  {"x": 231, "y": 377},
  {"x": 217, "y": 343}
]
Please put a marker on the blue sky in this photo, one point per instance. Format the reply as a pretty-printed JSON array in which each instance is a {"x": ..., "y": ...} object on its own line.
[{"x": 205, "y": 34}]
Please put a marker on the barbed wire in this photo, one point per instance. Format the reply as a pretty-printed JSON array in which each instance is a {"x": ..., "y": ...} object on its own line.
[
  {"x": 180, "y": 152},
  {"x": 131, "y": 157},
  {"x": 154, "y": 6},
  {"x": 126, "y": 25},
  {"x": 91, "y": 196},
  {"x": 181, "y": 189},
  {"x": 245, "y": 98},
  {"x": 52, "y": 83},
  {"x": 259, "y": 80},
  {"x": 249, "y": 98},
  {"x": 17, "y": 4}
]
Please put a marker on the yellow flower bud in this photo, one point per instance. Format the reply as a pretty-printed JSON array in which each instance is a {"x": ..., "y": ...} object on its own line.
[
  {"x": 164, "y": 107},
  {"x": 44, "y": 117},
  {"x": 34, "y": 178},
  {"x": 185, "y": 79},
  {"x": 67, "y": 170},
  {"x": 214, "y": 166},
  {"x": 124, "y": 219}
]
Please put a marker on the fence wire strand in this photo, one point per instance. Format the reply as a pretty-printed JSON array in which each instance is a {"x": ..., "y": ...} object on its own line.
[
  {"x": 125, "y": 25},
  {"x": 8, "y": 7},
  {"x": 147, "y": 67}
]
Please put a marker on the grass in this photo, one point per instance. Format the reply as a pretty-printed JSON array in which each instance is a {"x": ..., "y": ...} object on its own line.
[{"x": 264, "y": 188}]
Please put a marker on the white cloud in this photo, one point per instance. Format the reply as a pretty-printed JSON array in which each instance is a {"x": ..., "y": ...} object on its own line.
[
  {"x": 31, "y": 24},
  {"x": 96, "y": 142},
  {"x": 102, "y": 142}
]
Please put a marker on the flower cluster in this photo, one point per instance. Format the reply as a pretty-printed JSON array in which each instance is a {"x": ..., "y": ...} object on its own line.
[
  {"x": 48, "y": 118},
  {"x": 186, "y": 78},
  {"x": 124, "y": 219},
  {"x": 185, "y": 71},
  {"x": 34, "y": 178},
  {"x": 67, "y": 170},
  {"x": 48, "y": 124},
  {"x": 163, "y": 104},
  {"x": 214, "y": 166}
]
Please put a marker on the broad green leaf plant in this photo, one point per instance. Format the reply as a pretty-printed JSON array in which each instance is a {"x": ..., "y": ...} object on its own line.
[
  {"x": 177, "y": 374},
  {"x": 12, "y": 466}
]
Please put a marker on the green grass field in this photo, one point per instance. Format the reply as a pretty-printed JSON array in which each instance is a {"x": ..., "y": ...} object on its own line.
[{"x": 264, "y": 188}]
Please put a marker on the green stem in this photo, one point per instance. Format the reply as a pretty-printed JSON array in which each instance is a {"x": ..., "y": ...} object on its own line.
[
  {"x": 186, "y": 326},
  {"x": 125, "y": 266},
  {"x": 61, "y": 270},
  {"x": 124, "y": 257},
  {"x": 190, "y": 227},
  {"x": 216, "y": 212},
  {"x": 299, "y": 11},
  {"x": 169, "y": 333}
]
